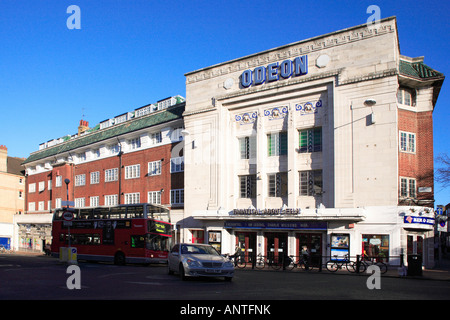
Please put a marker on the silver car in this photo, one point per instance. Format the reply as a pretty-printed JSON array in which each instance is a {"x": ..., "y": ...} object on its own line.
[{"x": 199, "y": 260}]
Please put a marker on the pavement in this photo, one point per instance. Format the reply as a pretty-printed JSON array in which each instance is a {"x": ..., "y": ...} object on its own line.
[{"x": 440, "y": 272}]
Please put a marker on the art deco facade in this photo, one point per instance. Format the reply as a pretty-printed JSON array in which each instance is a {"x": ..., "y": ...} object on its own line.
[{"x": 325, "y": 143}]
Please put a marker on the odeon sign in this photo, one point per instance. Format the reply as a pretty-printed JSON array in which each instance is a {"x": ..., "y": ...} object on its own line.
[{"x": 273, "y": 72}]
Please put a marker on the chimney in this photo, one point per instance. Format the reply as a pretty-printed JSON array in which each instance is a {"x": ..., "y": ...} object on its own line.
[
  {"x": 84, "y": 126},
  {"x": 3, "y": 158}
]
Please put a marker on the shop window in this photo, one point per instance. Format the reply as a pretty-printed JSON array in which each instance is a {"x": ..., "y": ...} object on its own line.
[
  {"x": 376, "y": 247},
  {"x": 198, "y": 236}
]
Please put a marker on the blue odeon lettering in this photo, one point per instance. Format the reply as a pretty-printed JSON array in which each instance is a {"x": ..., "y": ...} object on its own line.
[{"x": 273, "y": 72}]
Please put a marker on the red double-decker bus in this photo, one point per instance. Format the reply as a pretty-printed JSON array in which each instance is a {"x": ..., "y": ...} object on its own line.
[{"x": 135, "y": 233}]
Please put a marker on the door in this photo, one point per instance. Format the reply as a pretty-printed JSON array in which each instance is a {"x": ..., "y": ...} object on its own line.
[
  {"x": 276, "y": 245},
  {"x": 246, "y": 241},
  {"x": 312, "y": 242}
]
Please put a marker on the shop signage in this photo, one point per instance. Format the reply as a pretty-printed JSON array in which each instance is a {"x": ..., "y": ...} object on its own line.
[
  {"x": 418, "y": 220},
  {"x": 273, "y": 72},
  {"x": 290, "y": 225},
  {"x": 267, "y": 212}
]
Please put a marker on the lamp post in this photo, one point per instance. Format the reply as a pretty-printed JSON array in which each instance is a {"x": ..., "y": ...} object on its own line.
[{"x": 67, "y": 181}]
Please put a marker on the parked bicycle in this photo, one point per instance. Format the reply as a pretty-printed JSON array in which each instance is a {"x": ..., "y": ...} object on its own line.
[
  {"x": 272, "y": 262},
  {"x": 238, "y": 260},
  {"x": 366, "y": 261},
  {"x": 336, "y": 264},
  {"x": 302, "y": 263}
]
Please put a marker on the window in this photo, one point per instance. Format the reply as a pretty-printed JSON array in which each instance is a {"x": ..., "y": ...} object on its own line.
[
  {"x": 407, "y": 187},
  {"x": 32, "y": 187},
  {"x": 155, "y": 138},
  {"x": 58, "y": 203},
  {"x": 131, "y": 198},
  {"x": 154, "y": 197},
  {"x": 134, "y": 143},
  {"x": 49, "y": 184},
  {"x": 405, "y": 97},
  {"x": 277, "y": 144},
  {"x": 376, "y": 246},
  {"x": 31, "y": 206},
  {"x": 177, "y": 196},
  {"x": 58, "y": 181},
  {"x": 247, "y": 186},
  {"x": 41, "y": 205},
  {"x": 310, "y": 182},
  {"x": 80, "y": 180},
  {"x": 82, "y": 156},
  {"x": 177, "y": 164},
  {"x": 94, "y": 201},
  {"x": 310, "y": 140},
  {"x": 41, "y": 186},
  {"x": 79, "y": 202},
  {"x": 154, "y": 168},
  {"x": 111, "y": 175},
  {"x": 132, "y": 172},
  {"x": 111, "y": 200},
  {"x": 278, "y": 184},
  {"x": 407, "y": 142},
  {"x": 95, "y": 177},
  {"x": 114, "y": 149},
  {"x": 247, "y": 147}
]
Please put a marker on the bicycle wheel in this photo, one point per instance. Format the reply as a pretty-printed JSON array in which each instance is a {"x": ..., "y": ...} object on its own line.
[
  {"x": 276, "y": 265},
  {"x": 351, "y": 266},
  {"x": 241, "y": 262},
  {"x": 290, "y": 264},
  {"x": 332, "y": 266},
  {"x": 260, "y": 264},
  {"x": 383, "y": 267}
]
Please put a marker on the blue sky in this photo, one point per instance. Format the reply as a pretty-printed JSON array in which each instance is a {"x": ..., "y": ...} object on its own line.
[{"x": 129, "y": 53}]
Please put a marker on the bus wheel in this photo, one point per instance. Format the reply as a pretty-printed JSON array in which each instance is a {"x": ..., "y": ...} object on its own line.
[{"x": 119, "y": 259}]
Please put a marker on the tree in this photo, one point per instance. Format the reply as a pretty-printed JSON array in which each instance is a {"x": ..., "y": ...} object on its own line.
[{"x": 443, "y": 171}]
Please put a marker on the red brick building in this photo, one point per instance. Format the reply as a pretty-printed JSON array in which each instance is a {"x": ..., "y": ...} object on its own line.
[{"x": 132, "y": 158}]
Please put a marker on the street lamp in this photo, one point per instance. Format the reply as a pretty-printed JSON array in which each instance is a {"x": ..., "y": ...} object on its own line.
[{"x": 67, "y": 181}]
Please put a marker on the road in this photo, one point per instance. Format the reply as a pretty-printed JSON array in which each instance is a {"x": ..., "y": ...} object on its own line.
[{"x": 45, "y": 278}]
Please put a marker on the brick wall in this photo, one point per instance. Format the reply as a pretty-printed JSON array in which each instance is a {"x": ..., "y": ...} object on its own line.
[{"x": 418, "y": 165}]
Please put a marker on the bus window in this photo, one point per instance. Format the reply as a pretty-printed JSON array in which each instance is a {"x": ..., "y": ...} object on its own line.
[
  {"x": 135, "y": 211},
  {"x": 137, "y": 241},
  {"x": 118, "y": 213},
  {"x": 85, "y": 214},
  {"x": 101, "y": 213}
]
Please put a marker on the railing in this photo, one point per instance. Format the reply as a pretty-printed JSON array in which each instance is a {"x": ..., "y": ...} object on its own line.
[{"x": 358, "y": 263}]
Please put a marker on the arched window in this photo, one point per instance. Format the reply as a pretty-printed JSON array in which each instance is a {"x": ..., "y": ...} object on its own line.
[{"x": 406, "y": 97}]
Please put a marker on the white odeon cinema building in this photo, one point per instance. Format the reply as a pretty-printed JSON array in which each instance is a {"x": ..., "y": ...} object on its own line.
[{"x": 305, "y": 145}]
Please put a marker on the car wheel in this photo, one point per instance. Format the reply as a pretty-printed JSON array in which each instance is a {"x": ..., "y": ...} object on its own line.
[
  {"x": 119, "y": 259},
  {"x": 182, "y": 274}
]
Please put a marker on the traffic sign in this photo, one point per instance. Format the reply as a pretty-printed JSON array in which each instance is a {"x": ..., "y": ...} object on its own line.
[
  {"x": 439, "y": 210},
  {"x": 68, "y": 216}
]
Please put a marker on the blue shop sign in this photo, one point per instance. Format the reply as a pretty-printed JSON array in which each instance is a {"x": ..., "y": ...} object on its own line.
[
  {"x": 273, "y": 72},
  {"x": 288, "y": 225},
  {"x": 418, "y": 220}
]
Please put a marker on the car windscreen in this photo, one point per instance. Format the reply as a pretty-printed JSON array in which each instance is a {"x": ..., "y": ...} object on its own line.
[{"x": 193, "y": 249}]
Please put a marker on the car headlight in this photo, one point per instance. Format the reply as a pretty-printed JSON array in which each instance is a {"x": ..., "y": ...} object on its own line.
[
  {"x": 228, "y": 264},
  {"x": 192, "y": 263}
]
